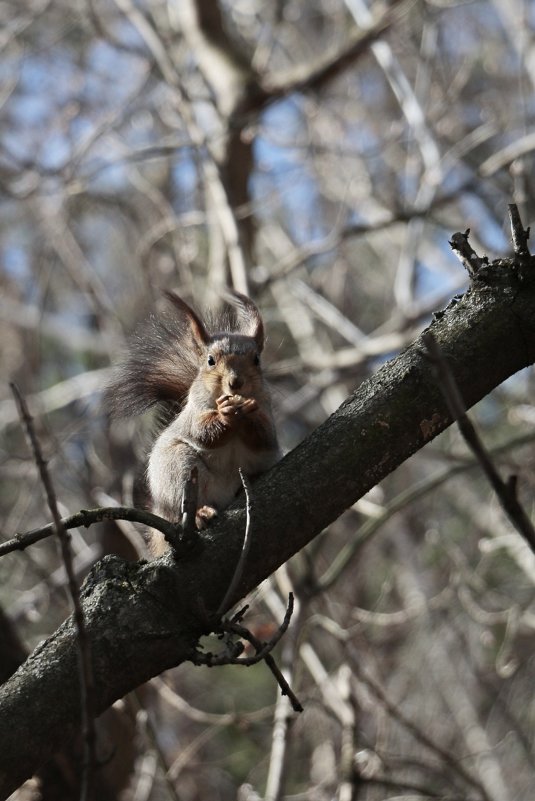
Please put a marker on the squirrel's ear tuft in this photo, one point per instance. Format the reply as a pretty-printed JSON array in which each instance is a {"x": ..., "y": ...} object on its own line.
[
  {"x": 249, "y": 319},
  {"x": 200, "y": 334}
]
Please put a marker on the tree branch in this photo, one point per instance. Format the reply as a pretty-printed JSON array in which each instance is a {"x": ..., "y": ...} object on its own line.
[
  {"x": 86, "y": 517},
  {"x": 144, "y": 618}
]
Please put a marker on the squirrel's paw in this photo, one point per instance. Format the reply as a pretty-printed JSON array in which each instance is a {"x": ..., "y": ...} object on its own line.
[
  {"x": 225, "y": 405},
  {"x": 249, "y": 405},
  {"x": 234, "y": 405},
  {"x": 226, "y": 402},
  {"x": 204, "y": 516}
]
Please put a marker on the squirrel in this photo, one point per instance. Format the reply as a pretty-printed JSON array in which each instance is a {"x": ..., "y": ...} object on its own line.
[{"x": 210, "y": 378}]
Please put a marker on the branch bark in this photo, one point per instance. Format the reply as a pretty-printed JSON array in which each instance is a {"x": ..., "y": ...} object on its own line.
[{"x": 144, "y": 618}]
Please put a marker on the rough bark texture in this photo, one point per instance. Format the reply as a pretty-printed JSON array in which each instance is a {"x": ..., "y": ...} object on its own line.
[{"x": 144, "y": 618}]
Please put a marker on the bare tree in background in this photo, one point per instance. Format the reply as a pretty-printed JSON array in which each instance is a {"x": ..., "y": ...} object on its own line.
[{"x": 318, "y": 156}]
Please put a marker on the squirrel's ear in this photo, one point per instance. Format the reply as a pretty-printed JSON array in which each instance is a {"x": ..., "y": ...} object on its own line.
[
  {"x": 200, "y": 334},
  {"x": 249, "y": 319}
]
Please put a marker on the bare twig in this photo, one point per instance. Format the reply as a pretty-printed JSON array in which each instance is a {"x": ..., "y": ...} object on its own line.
[
  {"x": 238, "y": 573},
  {"x": 283, "y": 684},
  {"x": 519, "y": 234},
  {"x": 86, "y": 518},
  {"x": 231, "y": 656},
  {"x": 504, "y": 490},
  {"x": 189, "y": 506},
  {"x": 282, "y": 720},
  {"x": 262, "y": 648},
  {"x": 263, "y": 651},
  {"x": 465, "y": 253},
  {"x": 84, "y": 646}
]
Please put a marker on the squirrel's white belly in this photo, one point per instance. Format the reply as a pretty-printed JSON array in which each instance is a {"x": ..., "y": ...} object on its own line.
[
  {"x": 173, "y": 457},
  {"x": 221, "y": 481}
]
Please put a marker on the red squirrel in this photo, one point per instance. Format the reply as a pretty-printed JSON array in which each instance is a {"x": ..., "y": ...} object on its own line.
[{"x": 223, "y": 420}]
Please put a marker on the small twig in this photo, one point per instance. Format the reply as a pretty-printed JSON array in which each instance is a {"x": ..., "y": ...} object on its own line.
[
  {"x": 282, "y": 721},
  {"x": 270, "y": 662},
  {"x": 189, "y": 507},
  {"x": 86, "y": 518},
  {"x": 283, "y": 684},
  {"x": 238, "y": 573},
  {"x": 239, "y": 615},
  {"x": 506, "y": 492},
  {"x": 465, "y": 253},
  {"x": 84, "y": 647},
  {"x": 263, "y": 650},
  {"x": 519, "y": 234}
]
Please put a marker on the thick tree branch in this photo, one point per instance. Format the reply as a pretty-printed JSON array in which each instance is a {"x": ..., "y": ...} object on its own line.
[{"x": 146, "y": 617}]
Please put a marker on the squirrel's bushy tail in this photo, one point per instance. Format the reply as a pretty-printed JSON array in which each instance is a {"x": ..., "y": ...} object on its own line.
[{"x": 160, "y": 366}]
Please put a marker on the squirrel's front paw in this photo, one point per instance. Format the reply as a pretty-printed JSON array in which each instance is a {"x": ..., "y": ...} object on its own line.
[
  {"x": 226, "y": 404},
  {"x": 249, "y": 405},
  {"x": 235, "y": 405}
]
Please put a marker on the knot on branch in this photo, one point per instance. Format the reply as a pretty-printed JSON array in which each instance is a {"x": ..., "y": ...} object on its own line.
[
  {"x": 479, "y": 268},
  {"x": 466, "y": 254},
  {"x": 519, "y": 234}
]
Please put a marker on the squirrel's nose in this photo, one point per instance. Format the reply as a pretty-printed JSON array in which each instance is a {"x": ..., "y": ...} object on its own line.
[{"x": 235, "y": 382}]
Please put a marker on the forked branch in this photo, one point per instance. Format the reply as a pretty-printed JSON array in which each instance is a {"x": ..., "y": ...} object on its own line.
[{"x": 229, "y": 630}]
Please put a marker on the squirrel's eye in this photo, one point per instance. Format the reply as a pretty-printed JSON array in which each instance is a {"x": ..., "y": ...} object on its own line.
[
  {"x": 257, "y": 359},
  {"x": 211, "y": 360}
]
